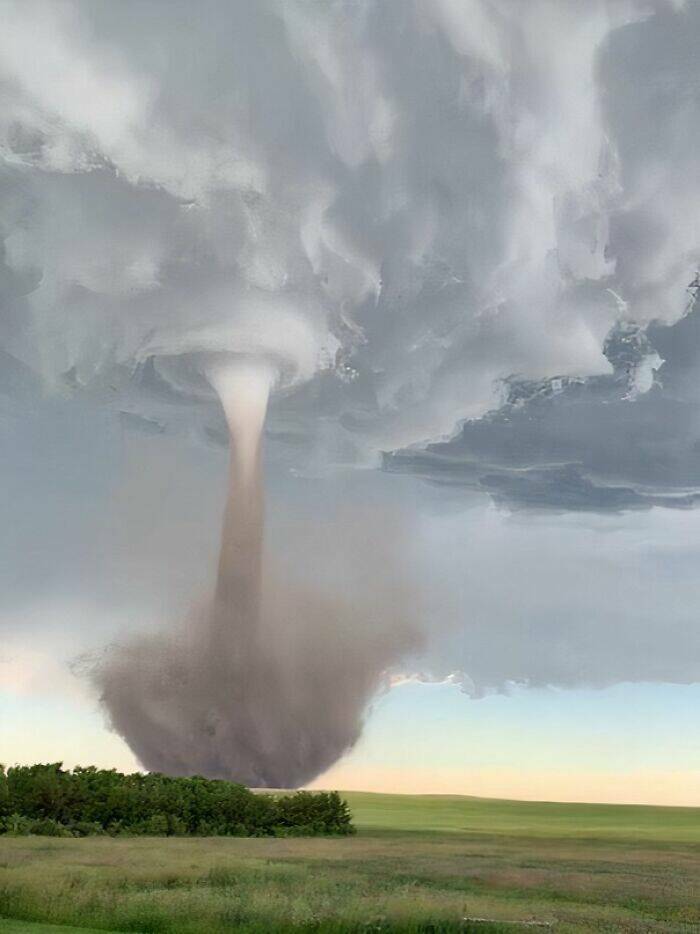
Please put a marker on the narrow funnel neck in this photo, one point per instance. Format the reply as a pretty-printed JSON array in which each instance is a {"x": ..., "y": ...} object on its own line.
[{"x": 243, "y": 385}]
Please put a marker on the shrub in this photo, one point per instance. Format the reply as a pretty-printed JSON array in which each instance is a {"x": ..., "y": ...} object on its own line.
[
  {"x": 50, "y": 800},
  {"x": 86, "y": 828},
  {"x": 16, "y": 825},
  {"x": 48, "y": 827},
  {"x": 156, "y": 826}
]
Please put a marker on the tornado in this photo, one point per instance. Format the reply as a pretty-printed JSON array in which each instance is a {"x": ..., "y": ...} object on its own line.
[{"x": 268, "y": 681}]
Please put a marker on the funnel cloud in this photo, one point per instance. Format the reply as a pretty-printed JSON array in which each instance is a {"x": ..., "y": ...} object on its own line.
[{"x": 267, "y": 685}]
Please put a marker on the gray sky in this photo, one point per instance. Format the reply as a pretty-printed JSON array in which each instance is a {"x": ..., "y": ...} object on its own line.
[{"x": 464, "y": 230}]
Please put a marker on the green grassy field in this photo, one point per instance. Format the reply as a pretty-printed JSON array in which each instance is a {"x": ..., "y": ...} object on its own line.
[{"x": 424, "y": 863}]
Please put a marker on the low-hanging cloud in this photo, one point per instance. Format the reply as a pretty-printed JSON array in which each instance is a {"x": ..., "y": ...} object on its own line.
[{"x": 625, "y": 440}]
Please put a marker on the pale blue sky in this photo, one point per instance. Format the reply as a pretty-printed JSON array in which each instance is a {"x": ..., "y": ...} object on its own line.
[{"x": 630, "y": 743}]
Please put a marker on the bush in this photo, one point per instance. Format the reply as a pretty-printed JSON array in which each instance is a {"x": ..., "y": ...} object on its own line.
[
  {"x": 16, "y": 825},
  {"x": 87, "y": 828},
  {"x": 49, "y": 800},
  {"x": 47, "y": 827}
]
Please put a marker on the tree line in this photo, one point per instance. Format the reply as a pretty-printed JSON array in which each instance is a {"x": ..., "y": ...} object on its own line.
[{"x": 50, "y": 800}]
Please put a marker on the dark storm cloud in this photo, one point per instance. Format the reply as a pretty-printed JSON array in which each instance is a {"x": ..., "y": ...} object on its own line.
[
  {"x": 614, "y": 441},
  {"x": 602, "y": 444}
]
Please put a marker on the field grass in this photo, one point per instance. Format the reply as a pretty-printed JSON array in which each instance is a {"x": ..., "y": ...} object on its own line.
[
  {"x": 418, "y": 863},
  {"x": 456, "y": 814},
  {"x": 31, "y": 927}
]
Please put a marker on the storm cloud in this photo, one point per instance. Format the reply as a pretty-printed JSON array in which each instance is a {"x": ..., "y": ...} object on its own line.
[
  {"x": 425, "y": 198},
  {"x": 625, "y": 440},
  {"x": 461, "y": 233}
]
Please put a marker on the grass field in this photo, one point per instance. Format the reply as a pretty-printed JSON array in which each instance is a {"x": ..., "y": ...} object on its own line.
[{"x": 417, "y": 864}]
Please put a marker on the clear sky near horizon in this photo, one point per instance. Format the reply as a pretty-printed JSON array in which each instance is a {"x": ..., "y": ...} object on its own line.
[
  {"x": 631, "y": 744},
  {"x": 458, "y": 242}
]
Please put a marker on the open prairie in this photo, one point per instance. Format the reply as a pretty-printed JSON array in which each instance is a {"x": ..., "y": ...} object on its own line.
[{"x": 418, "y": 863}]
